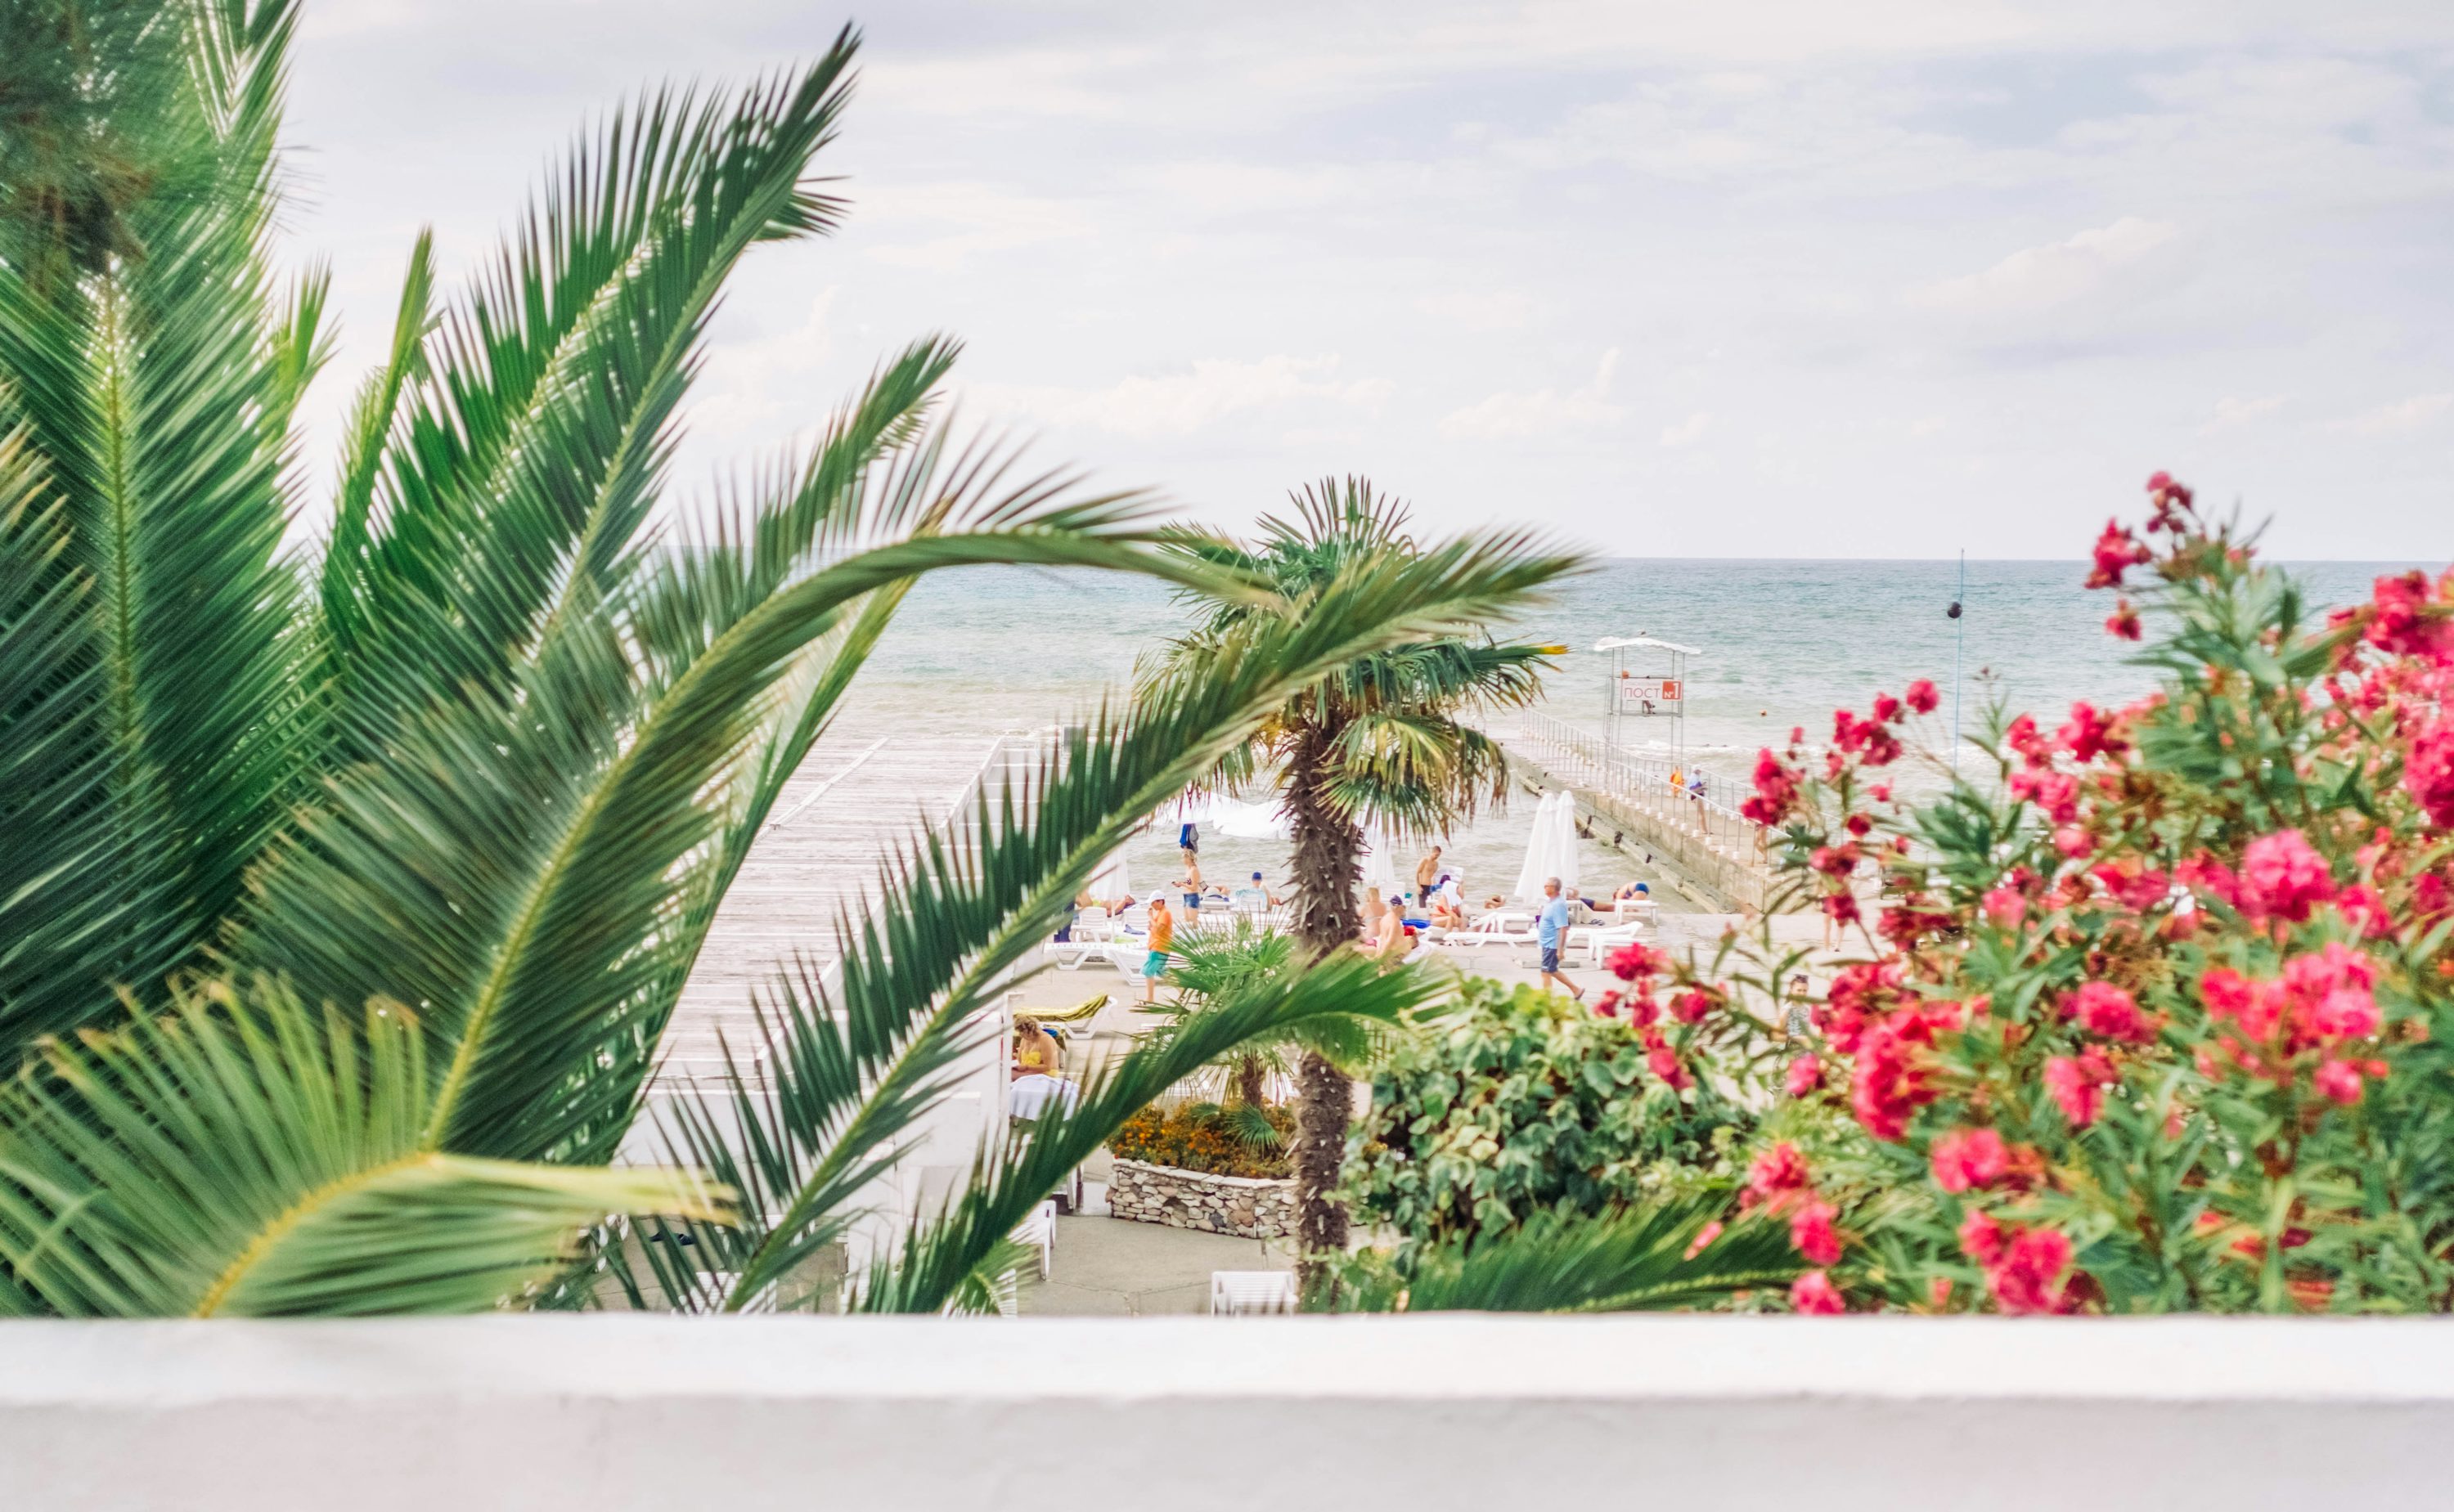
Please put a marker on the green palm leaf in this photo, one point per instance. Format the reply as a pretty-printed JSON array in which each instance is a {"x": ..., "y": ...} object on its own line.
[
  {"x": 852, "y": 1070},
  {"x": 526, "y": 462},
  {"x": 1636, "y": 1260},
  {"x": 156, "y": 388},
  {"x": 940, "y": 1256},
  {"x": 264, "y": 1162}
]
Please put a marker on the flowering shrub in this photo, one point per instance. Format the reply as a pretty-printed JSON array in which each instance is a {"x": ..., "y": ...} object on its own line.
[
  {"x": 1526, "y": 1103},
  {"x": 2152, "y": 1015},
  {"x": 1207, "y": 1138}
]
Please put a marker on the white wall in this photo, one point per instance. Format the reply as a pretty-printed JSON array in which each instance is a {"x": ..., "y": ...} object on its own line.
[{"x": 1696, "y": 1414}]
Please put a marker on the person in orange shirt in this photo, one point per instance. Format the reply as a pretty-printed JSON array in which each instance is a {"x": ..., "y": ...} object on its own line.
[{"x": 1162, "y": 938}]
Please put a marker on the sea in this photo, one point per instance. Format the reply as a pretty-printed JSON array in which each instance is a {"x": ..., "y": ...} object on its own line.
[{"x": 1779, "y": 644}]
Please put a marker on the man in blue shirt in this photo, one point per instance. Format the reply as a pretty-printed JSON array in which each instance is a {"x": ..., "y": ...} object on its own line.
[{"x": 1548, "y": 925}]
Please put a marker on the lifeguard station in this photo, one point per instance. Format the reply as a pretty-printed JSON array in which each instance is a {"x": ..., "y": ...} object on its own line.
[{"x": 1648, "y": 683}]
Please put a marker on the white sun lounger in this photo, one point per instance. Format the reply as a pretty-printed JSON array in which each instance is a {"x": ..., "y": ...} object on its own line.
[{"x": 1238, "y": 1293}]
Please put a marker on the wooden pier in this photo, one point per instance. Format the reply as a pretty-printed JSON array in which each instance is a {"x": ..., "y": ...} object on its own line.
[{"x": 856, "y": 798}]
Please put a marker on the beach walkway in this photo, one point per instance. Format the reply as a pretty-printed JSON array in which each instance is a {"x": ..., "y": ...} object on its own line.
[{"x": 854, "y": 800}]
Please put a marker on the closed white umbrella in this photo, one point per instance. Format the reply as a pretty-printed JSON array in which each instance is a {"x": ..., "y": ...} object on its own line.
[
  {"x": 1113, "y": 879},
  {"x": 1379, "y": 863},
  {"x": 1551, "y": 850}
]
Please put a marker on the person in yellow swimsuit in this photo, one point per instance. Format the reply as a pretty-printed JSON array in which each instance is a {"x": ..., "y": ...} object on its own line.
[{"x": 1162, "y": 939}]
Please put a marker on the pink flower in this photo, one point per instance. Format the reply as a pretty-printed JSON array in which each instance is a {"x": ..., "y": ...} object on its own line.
[
  {"x": 2117, "y": 550},
  {"x": 1775, "y": 1173},
  {"x": 1889, "y": 1087},
  {"x": 2428, "y": 772},
  {"x": 2105, "y": 1010},
  {"x": 2123, "y": 621},
  {"x": 2090, "y": 733},
  {"x": 2073, "y": 842},
  {"x": 1980, "y": 1237},
  {"x": 2406, "y": 622},
  {"x": 2281, "y": 877},
  {"x": 1703, "y": 1239},
  {"x": 1814, "y": 1295},
  {"x": 1805, "y": 1075},
  {"x": 1811, "y": 1231},
  {"x": 2077, "y": 1084},
  {"x": 1632, "y": 960},
  {"x": 2006, "y": 908},
  {"x": 1967, "y": 1159},
  {"x": 1691, "y": 1006},
  {"x": 2030, "y": 1277},
  {"x": 1775, "y": 790},
  {"x": 1921, "y": 696},
  {"x": 1886, "y": 709},
  {"x": 2339, "y": 1080}
]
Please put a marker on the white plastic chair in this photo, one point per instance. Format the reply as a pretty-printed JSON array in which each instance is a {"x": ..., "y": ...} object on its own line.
[
  {"x": 1038, "y": 1232},
  {"x": 1241, "y": 1293},
  {"x": 1599, "y": 941}
]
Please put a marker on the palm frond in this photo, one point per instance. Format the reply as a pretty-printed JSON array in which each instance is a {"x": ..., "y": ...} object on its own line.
[
  {"x": 867, "y": 1060},
  {"x": 1009, "y": 1181},
  {"x": 157, "y": 390},
  {"x": 1636, "y": 1260},
  {"x": 528, "y": 460},
  {"x": 61, "y": 916},
  {"x": 259, "y": 1161}
]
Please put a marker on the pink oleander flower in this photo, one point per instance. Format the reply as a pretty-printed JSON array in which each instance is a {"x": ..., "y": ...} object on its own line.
[
  {"x": 1889, "y": 1087},
  {"x": 1775, "y": 1177},
  {"x": 2283, "y": 877},
  {"x": 2030, "y": 1278},
  {"x": 1886, "y": 709},
  {"x": 2117, "y": 550},
  {"x": 2105, "y": 1010},
  {"x": 1805, "y": 1075},
  {"x": 2090, "y": 733},
  {"x": 1630, "y": 961},
  {"x": 2407, "y": 621},
  {"x": 2074, "y": 841},
  {"x": 2077, "y": 1084},
  {"x": 2006, "y": 908},
  {"x": 2123, "y": 621},
  {"x": 1965, "y": 1160},
  {"x": 2340, "y": 1081},
  {"x": 2428, "y": 772},
  {"x": 1813, "y": 1295},
  {"x": 1691, "y": 1006},
  {"x": 1921, "y": 696},
  {"x": 1980, "y": 1237},
  {"x": 1811, "y": 1232},
  {"x": 1703, "y": 1239}
]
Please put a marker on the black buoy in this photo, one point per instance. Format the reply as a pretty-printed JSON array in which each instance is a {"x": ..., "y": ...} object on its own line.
[{"x": 1953, "y": 612}]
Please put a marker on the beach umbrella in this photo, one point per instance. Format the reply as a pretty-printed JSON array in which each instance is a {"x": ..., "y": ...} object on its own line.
[
  {"x": 1251, "y": 822},
  {"x": 1113, "y": 879},
  {"x": 1551, "y": 850},
  {"x": 1380, "y": 863}
]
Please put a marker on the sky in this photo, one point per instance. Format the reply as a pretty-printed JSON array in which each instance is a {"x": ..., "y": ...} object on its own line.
[{"x": 1754, "y": 278}]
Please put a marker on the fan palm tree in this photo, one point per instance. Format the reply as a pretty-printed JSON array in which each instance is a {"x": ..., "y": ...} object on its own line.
[
  {"x": 1383, "y": 736},
  {"x": 402, "y": 847}
]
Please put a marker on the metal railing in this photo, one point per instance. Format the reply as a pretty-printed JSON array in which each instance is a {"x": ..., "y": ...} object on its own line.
[{"x": 1641, "y": 781}]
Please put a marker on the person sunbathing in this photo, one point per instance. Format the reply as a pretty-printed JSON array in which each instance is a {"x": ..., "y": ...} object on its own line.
[{"x": 1035, "y": 1050}]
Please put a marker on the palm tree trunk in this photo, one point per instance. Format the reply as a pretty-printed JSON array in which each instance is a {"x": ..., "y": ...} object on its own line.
[{"x": 1327, "y": 847}]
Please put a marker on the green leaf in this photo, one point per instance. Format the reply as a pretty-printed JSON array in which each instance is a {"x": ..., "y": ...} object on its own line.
[{"x": 257, "y": 1161}]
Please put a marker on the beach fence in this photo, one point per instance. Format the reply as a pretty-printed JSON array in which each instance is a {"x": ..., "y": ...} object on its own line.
[{"x": 1701, "y": 834}]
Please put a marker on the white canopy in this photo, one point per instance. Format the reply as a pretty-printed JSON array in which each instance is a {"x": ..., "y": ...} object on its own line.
[
  {"x": 1551, "y": 850},
  {"x": 1643, "y": 643},
  {"x": 1225, "y": 816},
  {"x": 1113, "y": 879}
]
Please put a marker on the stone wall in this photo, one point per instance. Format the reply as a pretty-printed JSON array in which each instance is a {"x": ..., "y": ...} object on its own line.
[{"x": 1246, "y": 1207}]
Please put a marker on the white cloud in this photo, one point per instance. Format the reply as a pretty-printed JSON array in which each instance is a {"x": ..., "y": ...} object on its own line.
[
  {"x": 1545, "y": 412},
  {"x": 2231, "y": 412},
  {"x": 941, "y": 227},
  {"x": 2415, "y": 413},
  {"x": 1181, "y": 403},
  {"x": 1689, "y": 431},
  {"x": 2051, "y": 279}
]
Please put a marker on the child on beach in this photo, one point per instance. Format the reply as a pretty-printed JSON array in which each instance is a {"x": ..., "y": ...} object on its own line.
[{"x": 1163, "y": 940}]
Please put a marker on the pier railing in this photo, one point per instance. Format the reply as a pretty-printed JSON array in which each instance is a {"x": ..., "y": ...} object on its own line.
[{"x": 1639, "y": 781}]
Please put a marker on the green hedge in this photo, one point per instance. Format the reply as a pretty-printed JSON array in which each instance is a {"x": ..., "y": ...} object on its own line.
[{"x": 1524, "y": 1103}]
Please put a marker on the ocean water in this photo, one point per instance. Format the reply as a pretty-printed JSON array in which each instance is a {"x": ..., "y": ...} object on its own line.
[{"x": 1783, "y": 643}]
